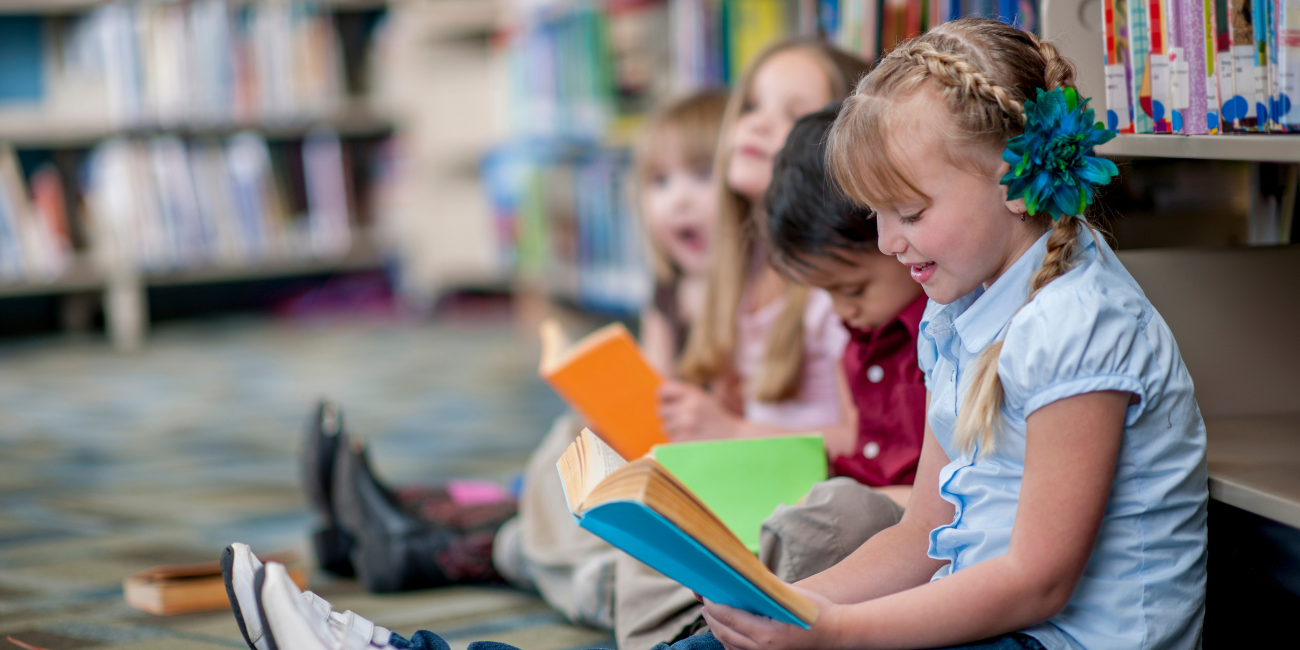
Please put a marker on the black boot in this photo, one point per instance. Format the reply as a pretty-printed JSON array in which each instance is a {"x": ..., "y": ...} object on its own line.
[
  {"x": 391, "y": 550},
  {"x": 325, "y": 436}
]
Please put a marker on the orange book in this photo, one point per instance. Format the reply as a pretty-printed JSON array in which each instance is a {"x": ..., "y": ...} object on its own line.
[{"x": 605, "y": 378}]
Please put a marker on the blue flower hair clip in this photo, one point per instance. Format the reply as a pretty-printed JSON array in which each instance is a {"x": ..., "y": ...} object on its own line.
[{"x": 1052, "y": 163}]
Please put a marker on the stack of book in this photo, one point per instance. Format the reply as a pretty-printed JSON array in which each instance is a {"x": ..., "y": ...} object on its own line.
[
  {"x": 163, "y": 203},
  {"x": 1202, "y": 67}
]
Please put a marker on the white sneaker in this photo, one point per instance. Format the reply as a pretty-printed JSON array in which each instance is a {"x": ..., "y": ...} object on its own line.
[
  {"x": 297, "y": 621},
  {"x": 238, "y": 566}
]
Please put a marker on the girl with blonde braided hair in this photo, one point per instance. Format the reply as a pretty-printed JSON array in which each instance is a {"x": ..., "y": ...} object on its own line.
[{"x": 1060, "y": 500}]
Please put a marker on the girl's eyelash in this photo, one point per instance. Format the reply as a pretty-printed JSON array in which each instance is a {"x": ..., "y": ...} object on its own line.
[{"x": 911, "y": 218}]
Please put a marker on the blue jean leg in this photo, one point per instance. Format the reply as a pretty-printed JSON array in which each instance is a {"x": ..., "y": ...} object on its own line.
[
  {"x": 426, "y": 640},
  {"x": 1015, "y": 641}
]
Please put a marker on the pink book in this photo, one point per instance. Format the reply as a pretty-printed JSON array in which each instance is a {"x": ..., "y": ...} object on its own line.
[{"x": 1190, "y": 106}]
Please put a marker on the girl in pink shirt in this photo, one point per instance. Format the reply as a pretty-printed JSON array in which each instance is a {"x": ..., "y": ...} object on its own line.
[{"x": 762, "y": 353}]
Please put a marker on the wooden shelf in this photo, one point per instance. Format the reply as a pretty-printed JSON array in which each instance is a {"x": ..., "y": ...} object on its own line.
[
  {"x": 364, "y": 255},
  {"x": 48, "y": 6},
  {"x": 1254, "y": 465},
  {"x": 31, "y": 129},
  {"x": 1258, "y": 148},
  {"x": 55, "y": 7},
  {"x": 83, "y": 276}
]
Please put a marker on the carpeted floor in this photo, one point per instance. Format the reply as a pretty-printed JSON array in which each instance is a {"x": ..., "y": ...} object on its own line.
[{"x": 112, "y": 463}]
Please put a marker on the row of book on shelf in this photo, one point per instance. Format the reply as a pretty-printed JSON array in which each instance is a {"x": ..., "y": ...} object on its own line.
[
  {"x": 563, "y": 219},
  {"x": 1202, "y": 67},
  {"x": 181, "y": 63},
  {"x": 164, "y": 203},
  {"x": 572, "y": 72},
  {"x": 714, "y": 39}
]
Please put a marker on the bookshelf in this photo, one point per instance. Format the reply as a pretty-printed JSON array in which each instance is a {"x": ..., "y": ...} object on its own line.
[
  {"x": 295, "y": 73},
  {"x": 1241, "y": 147},
  {"x": 30, "y": 129},
  {"x": 1233, "y": 309}
]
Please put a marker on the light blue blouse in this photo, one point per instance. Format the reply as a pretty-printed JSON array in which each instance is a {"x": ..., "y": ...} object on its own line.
[{"x": 1091, "y": 329}]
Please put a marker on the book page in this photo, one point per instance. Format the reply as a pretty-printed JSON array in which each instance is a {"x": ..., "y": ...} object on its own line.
[
  {"x": 553, "y": 344},
  {"x": 600, "y": 459}
]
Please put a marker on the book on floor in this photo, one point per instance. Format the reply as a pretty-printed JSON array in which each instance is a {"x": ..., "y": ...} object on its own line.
[
  {"x": 185, "y": 588},
  {"x": 607, "y": 380},
  {"x": 645, "y": 511}
]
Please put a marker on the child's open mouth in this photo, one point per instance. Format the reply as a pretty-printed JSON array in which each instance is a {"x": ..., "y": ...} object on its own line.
[
  {"x": 923, "y": 272},
  {"x": 690, "y": 238}
]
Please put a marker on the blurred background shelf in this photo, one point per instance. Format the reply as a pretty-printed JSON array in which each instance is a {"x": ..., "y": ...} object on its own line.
[
  {"x": 363, "y": 255},
  {"x": 82, "y": 276},
  {"x": 52, "y": 7},
  {"x": 31, "y": 129},
  {"x": 1251, "y": 148}
]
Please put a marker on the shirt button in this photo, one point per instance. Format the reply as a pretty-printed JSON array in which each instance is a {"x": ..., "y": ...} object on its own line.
[
  {"x": 871, "y": 449},
  {"x": 875, "y": 374}
]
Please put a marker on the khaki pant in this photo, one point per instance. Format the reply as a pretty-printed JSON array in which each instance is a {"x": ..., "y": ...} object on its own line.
[
  {"x": 545, "y": 550},
  {"x": 592, "y": 583}
]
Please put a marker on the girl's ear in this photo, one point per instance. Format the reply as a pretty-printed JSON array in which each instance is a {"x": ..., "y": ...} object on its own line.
[{"x": 1016, "y": 206}]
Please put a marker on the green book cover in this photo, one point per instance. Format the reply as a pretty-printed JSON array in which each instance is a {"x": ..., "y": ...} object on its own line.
[{"x": 743, "y": 481}]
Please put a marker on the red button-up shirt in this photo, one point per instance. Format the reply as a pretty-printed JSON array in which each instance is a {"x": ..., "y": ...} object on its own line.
[{"x": 889, "y": 391}]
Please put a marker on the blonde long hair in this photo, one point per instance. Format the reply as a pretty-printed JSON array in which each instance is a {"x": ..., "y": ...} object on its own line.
[
  {"x": 984, "y": 70},
  {"x": 712, "y": 341},
  {"x": 696, "y": 120}
]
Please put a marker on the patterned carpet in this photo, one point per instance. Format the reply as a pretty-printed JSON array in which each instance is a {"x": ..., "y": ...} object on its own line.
[{"x": 112, "y": 463}]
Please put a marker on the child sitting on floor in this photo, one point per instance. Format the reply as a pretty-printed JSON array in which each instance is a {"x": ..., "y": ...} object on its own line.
[{"x": 1060, "y": 501}]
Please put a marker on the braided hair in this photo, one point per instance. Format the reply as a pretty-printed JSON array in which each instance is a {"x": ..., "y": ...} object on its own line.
[{"x": 983, "y": 70}]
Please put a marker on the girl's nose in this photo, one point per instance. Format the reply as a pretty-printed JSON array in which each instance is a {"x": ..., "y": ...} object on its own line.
[{"x": 888, "y": 238}]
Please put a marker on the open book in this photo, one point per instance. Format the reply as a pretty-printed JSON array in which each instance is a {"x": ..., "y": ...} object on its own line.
[
  {"x": 642, "y": 509},
  {"x": 607, "y": 380}
]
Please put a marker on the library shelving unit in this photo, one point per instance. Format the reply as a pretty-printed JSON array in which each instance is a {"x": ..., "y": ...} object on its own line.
[
  {"x": 122, "y": 287},
  {"x": 1234, "y": 310}
]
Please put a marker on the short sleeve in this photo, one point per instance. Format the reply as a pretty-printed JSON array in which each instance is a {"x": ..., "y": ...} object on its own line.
[
  {"x": 927, "y": 351},
  {"x": 1067, "y": 343}
]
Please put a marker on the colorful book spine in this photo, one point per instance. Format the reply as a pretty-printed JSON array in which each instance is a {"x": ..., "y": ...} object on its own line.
[
  {"x": 1271, "y": 10},
  {"x": 1139, "y": 44},
  {"x": 1260, "y": 10},
  {"x": 1288, "y": 60},
  {"x": 1225, "y": 68},
  {"x": 1158, "y": 103},
  {"x": 828, "y": 20},
  {"x": 1192, "y": 94},
  {"x": 1211, "y": 69},
  {"x": 1119, "y": 73},
  {"x": 1007, "y": 11},
  {"x": 1245, "y": 76}
]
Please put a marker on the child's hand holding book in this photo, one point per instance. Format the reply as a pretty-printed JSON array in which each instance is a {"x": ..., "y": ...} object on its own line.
[
  {"x": 689, "y": 413},
  {"x": 737, "y": 629}
]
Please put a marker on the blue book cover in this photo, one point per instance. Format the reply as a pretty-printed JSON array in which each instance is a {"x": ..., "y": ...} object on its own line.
[
  {"x": 645, "y": 511},
  {"x": 22, "y": 72},
  {"x": 649, "y": 537}
]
